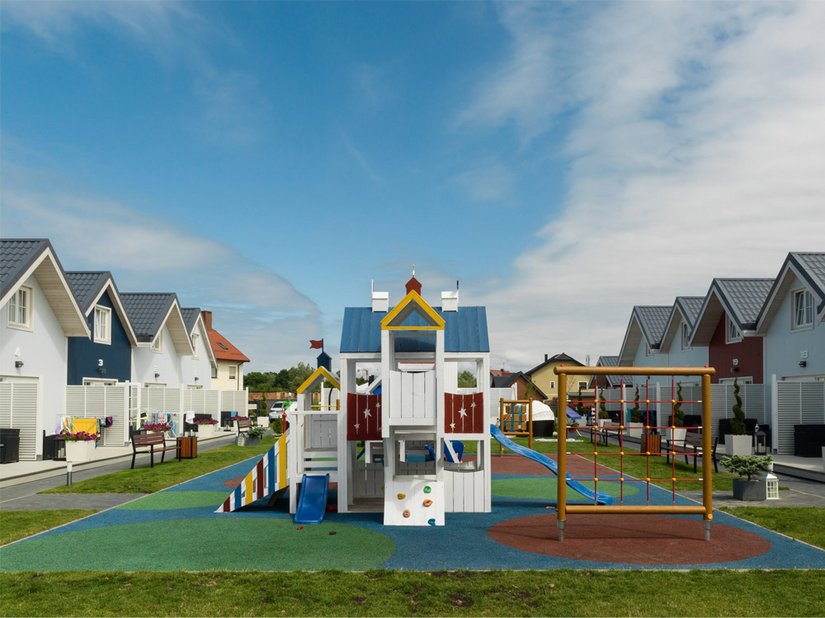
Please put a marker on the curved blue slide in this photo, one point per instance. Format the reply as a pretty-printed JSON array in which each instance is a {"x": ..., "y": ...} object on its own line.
[
  {"x": 313, "y": 501},
  {"x": 549, "y": 464}
]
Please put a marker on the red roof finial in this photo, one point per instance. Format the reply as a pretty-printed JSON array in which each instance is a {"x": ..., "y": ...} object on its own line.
[{"x": 414, "y": 284}]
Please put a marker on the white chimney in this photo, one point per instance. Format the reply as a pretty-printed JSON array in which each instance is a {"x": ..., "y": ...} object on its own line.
[
  {"x": 380, "y": 300},
  {"x": 449, "y": 300}
]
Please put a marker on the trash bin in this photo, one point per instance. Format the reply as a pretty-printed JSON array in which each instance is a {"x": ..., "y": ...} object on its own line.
[{"x": 9, "y": 445}]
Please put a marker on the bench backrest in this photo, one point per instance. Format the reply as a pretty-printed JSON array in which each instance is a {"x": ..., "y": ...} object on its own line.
[
  {"x": 695, "y": 440},
  {"x": 147, "y": 439},
  {"x": 244, "y": 423}
]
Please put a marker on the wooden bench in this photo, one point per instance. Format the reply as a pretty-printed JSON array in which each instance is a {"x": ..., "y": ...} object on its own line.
[
  {"x": 243, "y": 424},
  {"x": 150, "y": 443},
  {"x": 693, "y": 447}
]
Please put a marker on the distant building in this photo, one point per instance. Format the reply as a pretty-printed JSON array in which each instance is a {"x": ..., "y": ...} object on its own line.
[{"x": 227, "y": 372}]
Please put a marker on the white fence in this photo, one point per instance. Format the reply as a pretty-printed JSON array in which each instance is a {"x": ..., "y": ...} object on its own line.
[
  {"x": 18, "y": 410},
  {"x": 796, "y": 403}
]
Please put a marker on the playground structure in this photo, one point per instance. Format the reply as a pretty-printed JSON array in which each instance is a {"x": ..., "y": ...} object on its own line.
[
  {"x": 705, "y": 509},
  {"x": 515, "y": 419}
]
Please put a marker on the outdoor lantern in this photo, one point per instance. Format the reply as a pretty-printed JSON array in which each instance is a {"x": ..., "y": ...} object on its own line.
[
  {"x": 772, "y": 490},
  {"x": 761, "y": 443}
]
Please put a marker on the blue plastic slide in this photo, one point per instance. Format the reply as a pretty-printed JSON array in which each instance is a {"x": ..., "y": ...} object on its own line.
[
  {"x": 313, "y": 501},
  {"x": 549, "y": 464}
]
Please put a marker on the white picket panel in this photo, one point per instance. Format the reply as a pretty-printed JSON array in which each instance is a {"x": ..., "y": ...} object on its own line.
[{"x": 18, "y": 410}]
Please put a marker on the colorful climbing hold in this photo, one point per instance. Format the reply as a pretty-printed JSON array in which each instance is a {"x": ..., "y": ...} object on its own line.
[
  {"x": 401, "y": 496},
  {"x": 427, "y": 503},
  {"x": 406, "y": 513},
  {"x": 427, "y": 489},
  {"x": 431, "y": 522}
]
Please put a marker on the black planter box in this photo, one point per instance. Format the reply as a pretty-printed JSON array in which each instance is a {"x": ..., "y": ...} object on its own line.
[
  {"x": 9, "y": 445},
  {"x": 750, "y": 491},
  {"x": 808, "y": 440}
]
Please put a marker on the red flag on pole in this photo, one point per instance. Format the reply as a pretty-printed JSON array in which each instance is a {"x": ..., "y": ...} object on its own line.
[{"x": 316, "y": 343}]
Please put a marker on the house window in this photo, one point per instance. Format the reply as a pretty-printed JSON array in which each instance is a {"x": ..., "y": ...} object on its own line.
[
  {"x": 157, "y": 344},
  {"x": 214, "y": 372},
  {"x": 685, "y": 336},
  {"x": 233, "y": 372},
  {"x": 732, "y": 332},
  {"x": 582, "y": 386},
  {"x": 103, "y": 325},
  {"x": 20, "y": 308},
  {"x": 803, "y": 310},
  {"x": 552, "y": 384},
  {"x": 195, "y": 340}
]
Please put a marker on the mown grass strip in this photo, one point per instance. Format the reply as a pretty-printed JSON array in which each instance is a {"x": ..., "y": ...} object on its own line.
[
  {"x": 806, "y": 523},
  {"x": 16, "y": 525},
  {"x": 391, "y": 593},
  {"x": 143, "y": 479}
]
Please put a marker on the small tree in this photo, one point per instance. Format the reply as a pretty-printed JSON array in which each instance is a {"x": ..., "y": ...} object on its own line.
[
  {"x": 635, "y": 412},
  {"x": 737, "y": 423},
  {"x": 603, "y": 413},
  {"x": 678, "y": 413}
]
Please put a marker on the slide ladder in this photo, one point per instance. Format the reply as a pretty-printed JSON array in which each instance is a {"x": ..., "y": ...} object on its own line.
[{"x": 549, "y": 464}]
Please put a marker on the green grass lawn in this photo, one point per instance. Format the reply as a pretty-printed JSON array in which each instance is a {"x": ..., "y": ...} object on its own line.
[
  {"x": 144, "y": 479},
  {"x": 803, "y": 523},
  {"x": 16, "y": 525},
  {"x": 394, "y": 593}
]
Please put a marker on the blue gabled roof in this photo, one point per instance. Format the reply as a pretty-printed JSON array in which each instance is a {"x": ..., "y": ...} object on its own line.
[{"x": 465, "y": 330}]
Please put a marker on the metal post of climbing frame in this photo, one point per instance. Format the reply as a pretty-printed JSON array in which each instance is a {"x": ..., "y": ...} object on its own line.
[
  {"x": 707, "y": 459},
  {"x": 561, "y": 486}
]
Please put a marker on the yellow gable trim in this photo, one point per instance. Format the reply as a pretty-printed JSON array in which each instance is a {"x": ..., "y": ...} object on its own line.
[
  {"x": 318, "y": 374},
  {"x": 401, "y": 311}
]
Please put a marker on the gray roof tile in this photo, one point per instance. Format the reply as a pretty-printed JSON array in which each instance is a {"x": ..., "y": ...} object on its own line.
[
  {"x": 691, "y": 306},
  {"x": 744, "y": 298},
  {"x": 613, "y": 361},
  {"x": 813, "y": 267},
  {"x": 147, "y": 312},
  {"x": 652, "y": 320},
  {"x": 16, "y": 255},
  {"x": 190, "y": 317},
  {"x": 86, "y": 286}
]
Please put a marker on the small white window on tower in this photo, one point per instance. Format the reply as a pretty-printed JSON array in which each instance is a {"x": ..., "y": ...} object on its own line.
[
  {"x": 195, "y": 343},
  {"x": 157, "y": 344},
  {"x": 733, "y": 334},
  {"x": 103, "y": 325}
]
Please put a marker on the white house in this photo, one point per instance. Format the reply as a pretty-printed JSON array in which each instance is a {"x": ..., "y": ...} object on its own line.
[
  {"x": 163, "y": 339},
  {"x": 38, "y": 313},
  {"x": 196, "y": 370}
]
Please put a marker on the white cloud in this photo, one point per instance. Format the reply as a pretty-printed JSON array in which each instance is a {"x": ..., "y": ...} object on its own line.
[
  {"x": 488, "y": 183},
  {"x": 697, "y": 150},
  {"x": 260, "y": 311}
]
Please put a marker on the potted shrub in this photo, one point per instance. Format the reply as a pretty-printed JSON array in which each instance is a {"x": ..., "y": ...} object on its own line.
[
  {"x": 634, "y": 427},
  {"x": 749, "y": 484},
  {"x": 251, "y": 437},
  {"x": 676, "y": 432},
  {"x": 80, "y": 445},
  {"x": 604, "y": 415},
  {"x": 737, "y": 442}
]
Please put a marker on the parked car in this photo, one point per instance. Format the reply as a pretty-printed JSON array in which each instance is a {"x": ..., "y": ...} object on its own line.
[{"x": 278, "y": 408}]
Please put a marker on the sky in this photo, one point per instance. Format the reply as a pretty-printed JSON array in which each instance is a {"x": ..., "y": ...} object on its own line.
[{"x": 271, "y": 161}]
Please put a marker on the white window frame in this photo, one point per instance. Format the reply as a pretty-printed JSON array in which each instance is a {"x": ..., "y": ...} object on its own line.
[
  {"x": 805, "y": 307},
  {"x": 195, "y": 344},
  {"x": 233, "y": 369},
  {"x": 21, "y": 303},
  {"x": 157, "y": 344},
  {"x": 106, "y": 336},
  {"x": 732, "y": 332},
  {"x": 685, "y": 336},
  {"x": 552, "y": 384}
]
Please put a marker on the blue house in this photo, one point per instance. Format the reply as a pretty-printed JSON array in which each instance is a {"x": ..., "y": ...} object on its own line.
[{"x": 106, "y": 356}]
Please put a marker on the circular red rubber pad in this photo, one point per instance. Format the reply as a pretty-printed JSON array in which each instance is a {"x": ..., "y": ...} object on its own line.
[{"x": 632, "y": 539}]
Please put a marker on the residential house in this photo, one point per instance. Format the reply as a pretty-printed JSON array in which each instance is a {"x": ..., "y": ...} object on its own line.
[
  {"x": 643, "y": 338},
  {"x": 792, "y": 320},
  {"x": 545, "y": 379},
  {"x": 229, "y": 360},
  {"x": 610, "y": 381},
  {"x": 726, "y": 325},
  {"x": 38, "y": 314},
  {"x": 196, "y": 370},
  {"x": 675, "y": 344},
  {"x": 524, "y": 387},
  {"x": 106, "y": 356},
  {"x": 162, "y": 336}
]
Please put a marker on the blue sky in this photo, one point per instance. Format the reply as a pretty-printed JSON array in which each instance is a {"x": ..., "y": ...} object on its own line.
[{"x": 269, "y": 160}]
